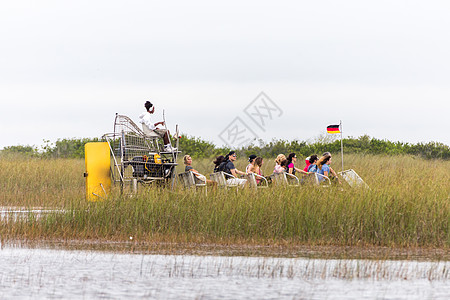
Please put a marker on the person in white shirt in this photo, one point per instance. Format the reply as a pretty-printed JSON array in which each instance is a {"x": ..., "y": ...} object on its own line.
[{"x": 145, "y": 119}]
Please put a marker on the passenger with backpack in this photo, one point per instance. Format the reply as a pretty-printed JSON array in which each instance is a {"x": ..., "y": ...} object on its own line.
[
  {"x": 312, "y": 167},
  {"x": 228, "y": 168}
]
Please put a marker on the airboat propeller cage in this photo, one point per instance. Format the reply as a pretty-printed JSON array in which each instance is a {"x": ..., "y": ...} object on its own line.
[{"x": 138, "y": 156}]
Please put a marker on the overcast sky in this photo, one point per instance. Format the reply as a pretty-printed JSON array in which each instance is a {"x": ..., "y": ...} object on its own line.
[{"x": 382, "y": 67}]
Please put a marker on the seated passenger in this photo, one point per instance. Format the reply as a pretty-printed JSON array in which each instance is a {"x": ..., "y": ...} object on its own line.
[
  {"x": 199, "y": 178},
  {"x": 313, "y": 163},
  {"x": 291, "y": 169},
  {"x": 333, "y": 175},
  {"x": 322, "y": 166},
  {"x": 284, "y": 165},
  {"x": 145, "y": 118},
  {"x": 228, "y": 167},
  {"x": 278, "y": 168},
  {"x": 251, "y": 163},
  {"x": 256, "y": 168},
  {"x": 307, "y": 164}
]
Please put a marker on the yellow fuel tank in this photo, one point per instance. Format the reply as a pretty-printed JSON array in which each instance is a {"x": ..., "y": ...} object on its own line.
[
  {"x": 157, "y": 159},
  {"x": 98, "y": 170}
]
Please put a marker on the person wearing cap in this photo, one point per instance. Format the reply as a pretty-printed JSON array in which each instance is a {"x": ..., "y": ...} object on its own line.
[
  {"x": 251, "y": 163},
  {"x": 145, "y": 119}
]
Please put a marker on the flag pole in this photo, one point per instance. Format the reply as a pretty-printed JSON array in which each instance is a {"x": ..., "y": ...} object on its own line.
[{"x": 342, "y": 147}]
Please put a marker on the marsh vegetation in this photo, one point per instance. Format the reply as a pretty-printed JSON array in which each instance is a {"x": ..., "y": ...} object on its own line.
[{"x": 408, "y": 205}]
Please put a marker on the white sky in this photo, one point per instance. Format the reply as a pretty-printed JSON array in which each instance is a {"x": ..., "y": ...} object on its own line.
[{"x": 383, "y": 68}]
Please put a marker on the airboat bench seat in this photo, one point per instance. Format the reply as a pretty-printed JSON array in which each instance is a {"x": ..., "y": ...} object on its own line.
[
  {"x": 317, "y": 179},
  {"x": 221, "y": 180},
  {"x": 252, "y": 183},
  {"x": 285, "y": 179},
  {"x": 353, "y": 179},
  {"x": 191, "y": 179}
]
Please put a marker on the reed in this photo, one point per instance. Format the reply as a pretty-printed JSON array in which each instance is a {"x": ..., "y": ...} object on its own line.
[{"x": 407, "y": 205}]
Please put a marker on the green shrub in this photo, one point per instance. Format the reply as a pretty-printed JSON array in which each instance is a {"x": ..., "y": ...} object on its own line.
[{"x": 199, "y": 148}]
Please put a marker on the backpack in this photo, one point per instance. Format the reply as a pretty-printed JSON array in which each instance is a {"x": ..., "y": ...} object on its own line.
[
  {"x": 313, "y": 169},
  {"x": 223, "y": 167}
]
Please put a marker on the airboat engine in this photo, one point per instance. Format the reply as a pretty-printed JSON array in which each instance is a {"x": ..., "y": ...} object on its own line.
[{"x": 148, "y": 166}]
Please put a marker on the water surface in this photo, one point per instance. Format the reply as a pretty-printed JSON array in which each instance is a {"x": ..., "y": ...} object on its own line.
[{"x": 42, "y": 273}]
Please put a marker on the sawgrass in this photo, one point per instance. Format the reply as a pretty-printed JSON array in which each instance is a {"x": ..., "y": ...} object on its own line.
[
  {"x": 34, "y": 182},
  {"x": 408, "y": 204}
]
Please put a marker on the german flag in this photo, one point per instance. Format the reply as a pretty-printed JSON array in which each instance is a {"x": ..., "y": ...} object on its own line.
[{"x": 333, "y": 129}]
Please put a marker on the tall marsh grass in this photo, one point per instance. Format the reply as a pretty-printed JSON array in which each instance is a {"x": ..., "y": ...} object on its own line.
[
  {"x": 35, "y": 182},
  {"x": 408, "y": 204}
]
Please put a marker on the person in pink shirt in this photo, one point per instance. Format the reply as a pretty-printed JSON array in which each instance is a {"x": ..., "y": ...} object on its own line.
[{"x": 291, "y": 169}]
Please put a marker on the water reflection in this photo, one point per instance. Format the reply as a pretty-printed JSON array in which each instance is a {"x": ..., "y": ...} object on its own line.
[
  {"x": 39, "y": 273},
  {"x": 21, "y": 213}
]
